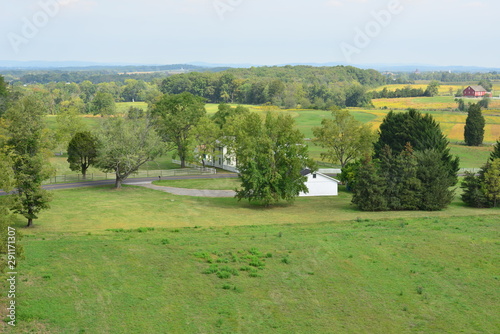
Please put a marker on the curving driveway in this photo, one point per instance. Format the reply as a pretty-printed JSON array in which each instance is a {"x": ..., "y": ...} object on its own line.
[{"x": 146, "y": 182}]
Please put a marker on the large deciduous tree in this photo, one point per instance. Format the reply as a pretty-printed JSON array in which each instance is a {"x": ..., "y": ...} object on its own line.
[
  {"x": 206, "y": 135},
  {"x": 474, "y": 126},
  {"x": 127, "y": 144},
  {"x": 270, "y": 156},
  {"x": 28, "y": 148},
  {"x": 486, "y": 84},
  {"x": 103, "y": 104},
  {"x": 7, "y": 183},
  {"x": 68, "y": 121},
  {"x": 175, "y": 116},
  {"x": 344, "y": 138},
  {"x": 82, "y": 152},
  {"x": 225, "y": 111},
  {"x": 432, "y": 89}
]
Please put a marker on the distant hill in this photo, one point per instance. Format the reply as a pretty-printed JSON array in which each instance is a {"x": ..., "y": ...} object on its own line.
[
  {"x": 215, "y": 67},
  {"x": 378, "y": 67}
]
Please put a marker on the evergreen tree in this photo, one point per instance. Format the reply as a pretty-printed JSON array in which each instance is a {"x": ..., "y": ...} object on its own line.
[
  {"x": 474, "y": 126},
  {"x": 491, "y": 184},
  {"x": 390, "y": 173},
  {"x": 369, "y": 193},
  {"x": 473, "y": 194},
  {"x": 435, "y": 179},
  {"x": 422, "y": 132},
  {"x": 403, "y": 189},
  {"x": 496, "y": 151},
  {"x": 410, "y": 187}
]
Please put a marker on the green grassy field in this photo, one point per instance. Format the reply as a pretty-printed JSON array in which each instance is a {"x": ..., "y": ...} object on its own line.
[
  {"x": 207, "y": 184},
  {"x": 471, "y": 157},
  {"x": 452, "y": 124},
  {"x": 318, "y": 266},
  {"x": 103, "y": 208},
  {"x": 123, "y": 107}
]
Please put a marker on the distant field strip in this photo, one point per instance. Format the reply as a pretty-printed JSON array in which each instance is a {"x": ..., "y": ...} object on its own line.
[{"x": 430, "y": 103}]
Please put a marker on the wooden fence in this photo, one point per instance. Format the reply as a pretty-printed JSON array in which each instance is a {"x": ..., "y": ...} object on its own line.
[{"x": 67, "y": 178}]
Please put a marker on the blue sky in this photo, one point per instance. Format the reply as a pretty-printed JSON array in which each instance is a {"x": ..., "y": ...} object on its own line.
[{"x": 437, "y": 32}]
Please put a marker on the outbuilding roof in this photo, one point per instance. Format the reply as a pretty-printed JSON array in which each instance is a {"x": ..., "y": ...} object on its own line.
[
  {"x": 307, "y": 171},
  {"x": 478, "y": 88}
]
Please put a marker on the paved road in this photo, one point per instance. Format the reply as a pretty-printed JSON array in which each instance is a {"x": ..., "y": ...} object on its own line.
[{"x": 133, "y": 181}]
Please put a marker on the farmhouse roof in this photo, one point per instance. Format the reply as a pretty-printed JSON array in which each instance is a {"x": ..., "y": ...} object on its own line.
[
  {"x": 305, "y": 172},
  {"x": 478, "y": 88}
]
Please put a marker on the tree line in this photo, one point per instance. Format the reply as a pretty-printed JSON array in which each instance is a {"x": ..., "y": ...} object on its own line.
[
  {"x": 431, "y": 90},
  {"x": 444, "y": 76},
  {"x": 288, "y": 86}
]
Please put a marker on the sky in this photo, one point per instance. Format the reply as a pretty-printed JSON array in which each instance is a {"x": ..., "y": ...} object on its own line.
[{"x": 260, "y": 32}]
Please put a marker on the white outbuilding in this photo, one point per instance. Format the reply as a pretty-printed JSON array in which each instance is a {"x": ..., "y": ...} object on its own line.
[{"x": 320, "y": 184}]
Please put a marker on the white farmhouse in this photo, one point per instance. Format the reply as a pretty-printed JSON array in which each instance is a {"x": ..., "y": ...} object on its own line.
[
  {"x": 320, "y": 184},
  {"x": 221, "y": 158}
]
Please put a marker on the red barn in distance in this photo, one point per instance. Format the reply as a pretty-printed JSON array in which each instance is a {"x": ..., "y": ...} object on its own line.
[{"x": 475, "y": 91}]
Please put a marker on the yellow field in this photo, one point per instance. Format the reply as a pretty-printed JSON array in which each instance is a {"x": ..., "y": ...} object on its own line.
[
  {"x": 427, "y": 103},
  {"x": 443, "y": 89},
  {"x": 452, "y": 123}
]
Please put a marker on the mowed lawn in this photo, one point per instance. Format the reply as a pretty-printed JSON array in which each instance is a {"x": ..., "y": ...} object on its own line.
[
  {"x": 143, "y": 261},
  {"x": 207, "y": 184},
  {"x": 101, "y": 208}
]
